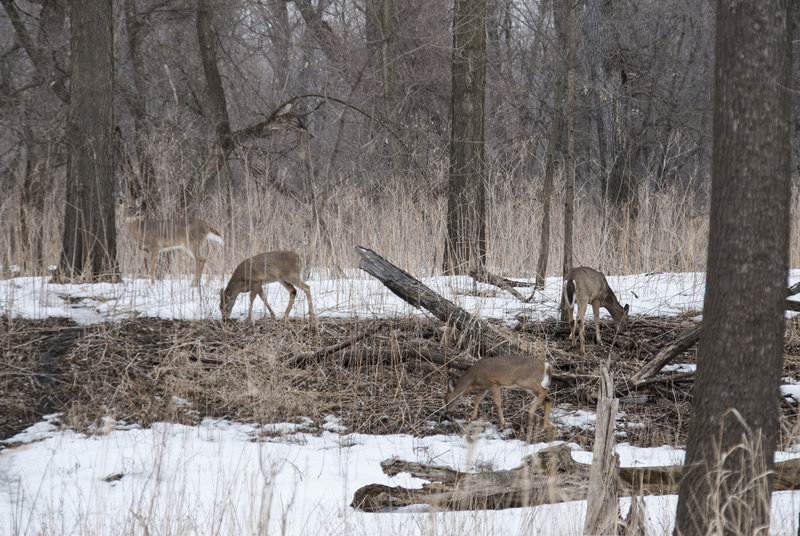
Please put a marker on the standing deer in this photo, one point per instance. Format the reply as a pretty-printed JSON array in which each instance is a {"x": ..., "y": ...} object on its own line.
[
  {"x": 491, "y": 374},
  {"x": 584, "y": 286},
  {"x": 253, "y": 273},
  {"x": 155, "y": 236}
]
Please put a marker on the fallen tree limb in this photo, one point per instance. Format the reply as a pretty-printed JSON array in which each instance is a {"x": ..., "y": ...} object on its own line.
[
  {"x": 549, "y": 476},
  {"x": 683, "y": 342},
  {"x": 411, "y": 290},
  {"x": 305, "y": 359},
  {"x": 482, "y": 276},
  {"x": 794, "y": 289},
  {"x": 792, "y": 305},
  {"x": 686, "y": 340}
]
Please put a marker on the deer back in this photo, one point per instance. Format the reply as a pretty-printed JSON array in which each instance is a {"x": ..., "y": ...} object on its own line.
[
  {"x": 507, "y": 371},
  {"x": 590, "y": 285}
]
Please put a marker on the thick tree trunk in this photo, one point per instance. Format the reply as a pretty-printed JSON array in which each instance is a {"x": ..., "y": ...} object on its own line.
[
  {"x": 145, "y": 185},
  {"x": 552, "y": 147},
  {"x": 734, "y": 423},
  {"x": 89, "y": 245},
  {"x": 216, "y": 110},
  {"x": 465, "y": 244}
]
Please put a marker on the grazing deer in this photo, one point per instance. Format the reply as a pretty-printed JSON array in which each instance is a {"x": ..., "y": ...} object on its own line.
[
  {"x": 584, "y": 286},
  {"x": 155, "y": 236},
  {"x": 491, "y": 374},
  {"x": 253, "y": 273}
]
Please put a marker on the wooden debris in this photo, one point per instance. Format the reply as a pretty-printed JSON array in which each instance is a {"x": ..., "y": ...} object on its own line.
[
  {"x": 546, "y": 477},
  {"x": 668, "y": 352},
  {"x": 489, "y": 341},
  {"x": 482, "y": 276},
  {"x": 602, "y": 508}
]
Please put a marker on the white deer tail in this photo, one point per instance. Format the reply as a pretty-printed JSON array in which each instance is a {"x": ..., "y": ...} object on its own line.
[
  {"x": 569, "y": 293},
  {"x": 214, "y": 235}
]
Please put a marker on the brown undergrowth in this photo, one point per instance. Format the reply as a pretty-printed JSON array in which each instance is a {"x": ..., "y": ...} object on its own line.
[{"x": 385, "y": 376}]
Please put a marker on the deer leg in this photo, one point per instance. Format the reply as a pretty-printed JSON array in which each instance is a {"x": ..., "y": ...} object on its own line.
[
  {"x": 145, "y": 267},
  {"x": 498, "y": 403},
  {"x": 307, "y": 290},
  {"x": 596, "y": 311},
  {"x": 541, "y": 397},
  {"x": 478, "y": 397},
  {"x": 199, "y": 263},
  {"x": 292, "y": 295},
  {"x": 572, "y": 324},
  {"x": 581, "y": 315},
  {"x": 250, "y": 308},
  {"x": 258, "y": 290},
  {"x": 153, "y": 260}
]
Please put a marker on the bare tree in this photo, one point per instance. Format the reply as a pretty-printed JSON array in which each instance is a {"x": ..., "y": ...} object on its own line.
[
  {"x": 89, "y": 244},
  {"x": 569, "y": 167},
  {"x": 556, "y": 127},
  {"x": 734, "y": 423},
  {"x": 465, "y": 244}
]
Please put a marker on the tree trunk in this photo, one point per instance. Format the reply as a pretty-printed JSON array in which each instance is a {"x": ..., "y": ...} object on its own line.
[
  {"x": 569, "y": 168},
  {"x": 552, "y": 146},
  {"x": 89, "y": 241},
  {"x": 216, "y": 112},
  {"x": 145, "y": 185},
  {"x": 465, "y": 244},
  {"x": 602, "y": 504},
  {"x": 734, "y": 423},
  {"x": 389, "y": 83}
]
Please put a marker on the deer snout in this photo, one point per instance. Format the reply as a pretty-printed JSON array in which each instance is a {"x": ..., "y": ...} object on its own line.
[{"x": 225, "y": 303}]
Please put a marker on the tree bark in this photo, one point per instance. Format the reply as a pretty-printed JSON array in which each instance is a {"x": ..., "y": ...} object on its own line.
[
  {"x": 465, "y": 244},
  {"x": 734, "y": 423},
  {"x": 569, "y": 168},
  {"x": 552, "y": 146},
  {"x": 145, "y": 185},
  {"x": 410, "y": 289},
  {"x": 602, "y": 507},
  {"x": 89, "y": 245},
  {"x": 546, "y": 477}
]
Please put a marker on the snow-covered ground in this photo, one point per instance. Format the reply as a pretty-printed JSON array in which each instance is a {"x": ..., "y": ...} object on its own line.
[{"x": 224, "y": 477}]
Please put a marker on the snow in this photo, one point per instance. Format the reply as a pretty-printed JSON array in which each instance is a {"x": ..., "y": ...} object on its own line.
[{"x": 223, "y": 477}]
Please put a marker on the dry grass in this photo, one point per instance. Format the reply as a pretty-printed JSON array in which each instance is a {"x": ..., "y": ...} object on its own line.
[
  {"x": 406, "y": 225},
  {"x": 146, "y": 370}
]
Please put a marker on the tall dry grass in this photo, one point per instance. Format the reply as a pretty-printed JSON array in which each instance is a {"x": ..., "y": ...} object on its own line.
[{"x": 407, "y": 226}]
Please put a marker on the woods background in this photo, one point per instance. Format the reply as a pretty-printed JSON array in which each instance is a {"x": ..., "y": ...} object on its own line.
[{"x": 320, "y": 125}]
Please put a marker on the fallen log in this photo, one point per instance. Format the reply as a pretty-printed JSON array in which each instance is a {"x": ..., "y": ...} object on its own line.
[
  {"x": 529, "y": 484},
  {"x": 488, "y": 341},
  {"x": 683, "y": 342},
  {"x": 302, "y": 360},
  {"x": 482, "y": 276},
  {"x": 686, "y": 340},
  {"x": 546, "y": 477}
]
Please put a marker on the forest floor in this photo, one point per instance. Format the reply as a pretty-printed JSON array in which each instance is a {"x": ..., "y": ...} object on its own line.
[{"x": 383, "y": 376}]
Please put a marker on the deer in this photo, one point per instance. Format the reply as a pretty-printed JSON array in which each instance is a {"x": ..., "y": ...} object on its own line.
[
  {"x": 584, "y": 286},
  {"x": 253, "y": 273},
  {"x": 490, "y": 374},
  {"x": 156, "y": 236}
]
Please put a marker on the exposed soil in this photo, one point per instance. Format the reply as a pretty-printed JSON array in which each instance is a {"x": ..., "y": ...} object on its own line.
[{"x": 389, "y": 380}]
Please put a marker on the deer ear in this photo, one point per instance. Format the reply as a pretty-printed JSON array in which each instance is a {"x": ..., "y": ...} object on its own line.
[
  {"x": 451, "y": 384},
  {"x": 139, "y": 201}
]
